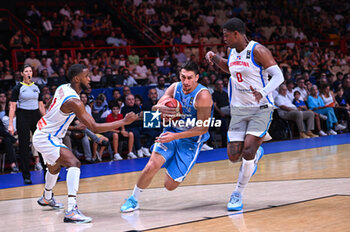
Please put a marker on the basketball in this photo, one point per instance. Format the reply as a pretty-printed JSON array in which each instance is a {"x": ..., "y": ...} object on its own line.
[{"x": 173, "y": 103}]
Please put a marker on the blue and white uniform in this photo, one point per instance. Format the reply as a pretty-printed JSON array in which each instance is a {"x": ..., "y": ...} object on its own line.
[
  {"x": 52, "y": 127},
  {"x": 247, "y": 115},
  {"x": 181, "y": 154}
]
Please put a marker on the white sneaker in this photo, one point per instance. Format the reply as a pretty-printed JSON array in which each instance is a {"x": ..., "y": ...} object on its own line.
[
  {"x": 339, "y": 127},
  {"x": 145, "y": 151},
  {"x": 140, "y": 153},
  {"x": 38, "y": 167},
  {"x": 332, "y": 132},
  {"x": 131, "y": 155},
  {"x": 324, "y": 117},
  {"x": 322, "y": 133},
  {"x": 117, "y": 156},
  {"x": 206, "y": 147}
]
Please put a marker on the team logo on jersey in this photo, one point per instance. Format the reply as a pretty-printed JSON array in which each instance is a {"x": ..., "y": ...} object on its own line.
[
  {"x": 248, "y": 54},
  {"x": 151, "y": 119},
  {"x": 239, "y": 57}
]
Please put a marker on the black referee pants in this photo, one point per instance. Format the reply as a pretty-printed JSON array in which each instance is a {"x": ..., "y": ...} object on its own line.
[{"x": 26, "y": 121}]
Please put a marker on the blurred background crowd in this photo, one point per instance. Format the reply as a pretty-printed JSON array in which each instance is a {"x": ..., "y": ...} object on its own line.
[{"x": 134, "y": 50}]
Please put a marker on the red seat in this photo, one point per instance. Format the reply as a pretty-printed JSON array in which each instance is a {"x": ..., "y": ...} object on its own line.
[
  {"x": 67, "y": 44},
  {"x": 100, "y": 43}
]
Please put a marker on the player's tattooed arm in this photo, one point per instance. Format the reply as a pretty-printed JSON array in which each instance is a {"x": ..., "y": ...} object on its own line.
[
  {"x": 77, "y": 106},
  {"x": 221, "y": 62}
]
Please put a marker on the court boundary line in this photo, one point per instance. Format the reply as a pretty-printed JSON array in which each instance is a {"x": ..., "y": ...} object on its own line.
[{"x": 249, "y": 211}]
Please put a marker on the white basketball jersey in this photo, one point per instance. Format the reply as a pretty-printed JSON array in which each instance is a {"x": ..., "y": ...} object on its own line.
[
  {"x": 245, "y": 72},
  {"x": 55, "y": 122}
]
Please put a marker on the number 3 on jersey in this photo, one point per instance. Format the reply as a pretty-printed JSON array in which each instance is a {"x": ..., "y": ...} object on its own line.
[{"x": 239, "y": 77}]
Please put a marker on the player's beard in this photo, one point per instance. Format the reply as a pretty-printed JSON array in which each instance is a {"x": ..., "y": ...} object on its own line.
[{"x": 84, "y": 87}]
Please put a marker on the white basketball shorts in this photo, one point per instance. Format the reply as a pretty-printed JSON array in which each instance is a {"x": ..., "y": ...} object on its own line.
[{"x": 48, "y": 145}]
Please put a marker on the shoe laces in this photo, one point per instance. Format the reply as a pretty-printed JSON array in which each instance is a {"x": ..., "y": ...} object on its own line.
[
  {"x": 131, "y": 201},
  {"x": 75, "y": 208},
  {"x": 235, "y": 197}
]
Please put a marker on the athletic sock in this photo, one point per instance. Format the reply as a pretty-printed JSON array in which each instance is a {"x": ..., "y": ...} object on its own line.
[
  {"x": 72, "y": 201},
  {"x": 136, "y": 193},
  {"x": 50, "y": 182},
  {"x": 245, "y": 173},
  {"x": 73, "y": 176}
]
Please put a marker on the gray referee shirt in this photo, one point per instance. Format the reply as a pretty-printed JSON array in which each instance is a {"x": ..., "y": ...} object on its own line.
[{"x": 26, "y": 96}]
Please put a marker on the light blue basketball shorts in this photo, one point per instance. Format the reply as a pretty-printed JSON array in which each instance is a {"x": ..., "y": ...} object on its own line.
[{"x": 180, "y": 156}]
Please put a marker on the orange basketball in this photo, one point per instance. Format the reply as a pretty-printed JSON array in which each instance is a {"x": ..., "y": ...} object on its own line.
[{"x": 173, "y": 103}]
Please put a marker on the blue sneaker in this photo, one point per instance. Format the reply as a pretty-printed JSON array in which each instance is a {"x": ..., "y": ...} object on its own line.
[
  {"x": 259, "y": 154},
  {"x": 235, "y": 203},
  {"x": 130, "y": 205}
]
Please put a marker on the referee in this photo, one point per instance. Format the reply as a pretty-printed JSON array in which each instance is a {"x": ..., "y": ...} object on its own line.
[{"x": 26, "y": 97}]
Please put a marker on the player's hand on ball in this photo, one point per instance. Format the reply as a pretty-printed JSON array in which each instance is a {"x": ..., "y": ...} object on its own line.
[
  {"x": 166, "y": 110},
  {"x": 209, "y": 56},
  {"x": 130, "y": 117},
  {"x": 165, "y": 137}
]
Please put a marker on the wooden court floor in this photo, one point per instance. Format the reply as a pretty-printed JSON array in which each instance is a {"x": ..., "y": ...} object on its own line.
[{"x": 305, "y": 190}]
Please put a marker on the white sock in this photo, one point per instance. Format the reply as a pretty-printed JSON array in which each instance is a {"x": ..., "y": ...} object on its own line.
[
  {"x": 136, "y": 193},
  {"x": 72, "y": 201},
  {"x": 50, "y": 182},
  {"x": 73, "y": 176},
  {"x": 245, "y": 173}
]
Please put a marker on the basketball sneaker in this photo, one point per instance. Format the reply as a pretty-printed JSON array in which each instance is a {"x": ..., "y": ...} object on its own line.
[
  {"x": 235, "y": 203},
  {"x": 75, "y": 216},
  {"x": 130, "y": 205},
  {"x": 52, "y": 203},
  {"x": 259, "y": 155}
]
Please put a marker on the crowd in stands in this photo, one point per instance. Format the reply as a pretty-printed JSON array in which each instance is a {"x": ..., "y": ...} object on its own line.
[
  {"x": 316, "y": 88},
  {"x": 86, "y": 21}
]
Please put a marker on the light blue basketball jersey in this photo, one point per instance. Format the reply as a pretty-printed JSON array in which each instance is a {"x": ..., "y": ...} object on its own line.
[{"x": 189, "y": 111}]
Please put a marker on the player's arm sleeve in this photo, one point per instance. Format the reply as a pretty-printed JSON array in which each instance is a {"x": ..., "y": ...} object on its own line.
[{"x": 276, "y": 80}]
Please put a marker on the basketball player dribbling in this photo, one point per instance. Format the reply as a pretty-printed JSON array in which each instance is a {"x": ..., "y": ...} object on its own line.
[
  {"x": 52, "y": 127},
  {"x": 178, "y": 146},
  {"x": 250, "y": 95}
]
